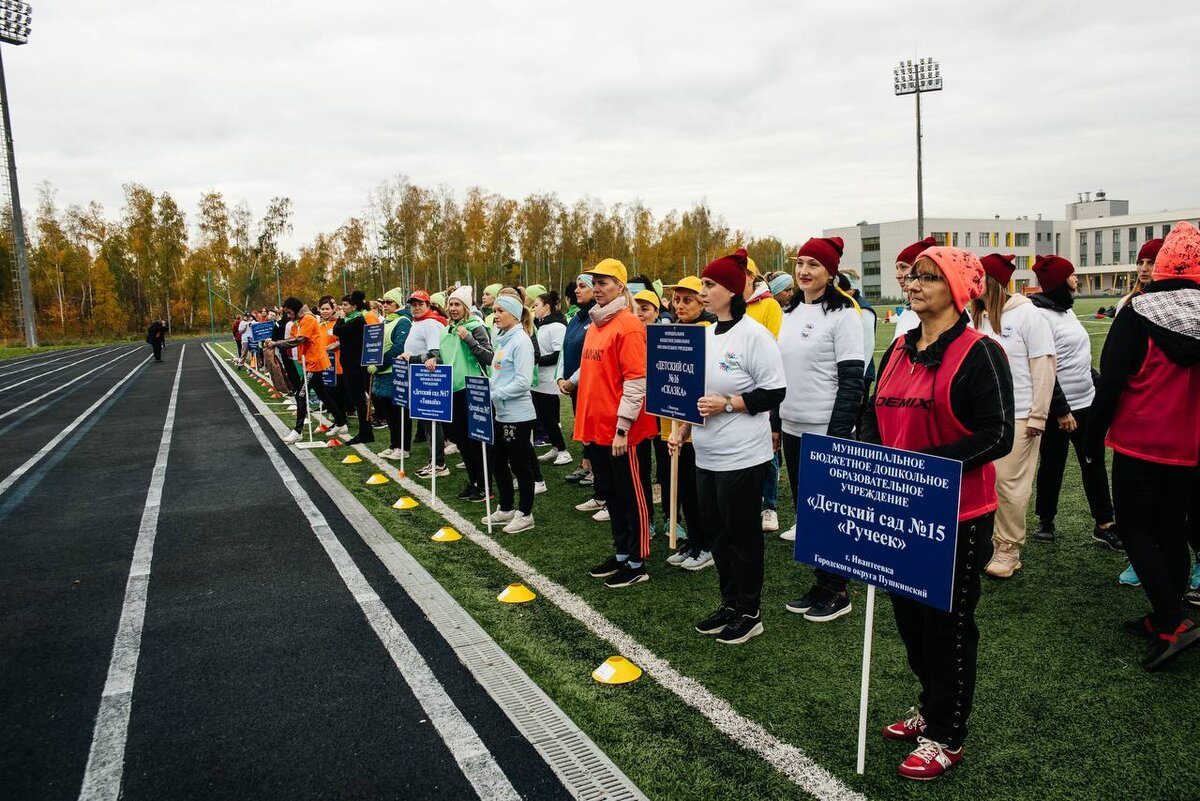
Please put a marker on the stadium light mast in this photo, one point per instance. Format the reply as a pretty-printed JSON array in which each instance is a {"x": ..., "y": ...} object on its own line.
[
  {"x": 916, "y": 79},
  {"x": 15, "y": 19}
]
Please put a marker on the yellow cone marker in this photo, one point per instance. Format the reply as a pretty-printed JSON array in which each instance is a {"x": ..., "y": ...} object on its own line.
[
  {"x": 446, "y": 534},
  {"x": 515, "y": 594},
  {"x": 405, "y": 503},
  {"x": 616, "y": 670},
  {"x": 378, "y": 478},
  {"x": 351, "y": 459}
]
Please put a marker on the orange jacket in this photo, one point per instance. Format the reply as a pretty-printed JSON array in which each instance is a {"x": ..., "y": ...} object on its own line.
[{"x": 613, "y": 364}]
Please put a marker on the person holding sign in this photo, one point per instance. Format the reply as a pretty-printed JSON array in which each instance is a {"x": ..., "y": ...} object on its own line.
[
  {"x": 328, "y": 309},
  {"x": 466, "y": 345},
  {"x": 309, "y": 342},
  {"x": 396, "y": 326},
  {"x": 744, "y": 382},
  {"x": 551, "y": 331},
  {"x": 945, "y": 389},
  {"x": 356, "y": 315},
  {"x": 422, "y": 345},
  {"x": 512, "y": 378}
]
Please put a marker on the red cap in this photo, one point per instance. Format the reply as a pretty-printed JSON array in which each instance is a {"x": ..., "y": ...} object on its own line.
[
  {"x": 827, "y": 250},
  {"x": 419, "y": 294},
  {"x": 728, "y": 271},
  {"x": 1180, "y": 254},
  {"x": 1150, "y": 250},
  {"x": 910, "y": 253},
  {"x": 962, "y": 271},
  {"x": 999, "y": 267},
  {"x": 1052, "y": 272}
]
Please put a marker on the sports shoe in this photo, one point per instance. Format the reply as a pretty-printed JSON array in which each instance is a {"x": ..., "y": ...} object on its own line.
[
  {"x": 1169, "y": 646},
  {"x": 564, "y": 457},
  {"x": 789, "y": 535},
  {"x": 378, "y": 424},
  {"x": 1140, "y": 627},
  {"x": 590, "y": 505},
  {"x": 602, "y": 515},
  {"x": 682, "y": 553},
  {"x": 1045, "y": 532},
  {"x": 741, "y": 629},
  {"x": 476, "y": 496},
  {"x": 656, "y": 494},
  {"x": 574, "y": 476},
  {"x": 1192, "y": 597},
  {"x": 831, "y": 607},
  {"x": 606, "y": 568},
  {"x": 908, "y": 729},
  {"x": 291, "y": 438},
  {"x": 698, "y": 561},
  {"x": 391, "y": 453},
  {"x": 587, "y": 481},
  {"x": 460, "y": 465},
  {"x": 770, "y": 520},
  {"x": 360, "y": 438},
  {"x": 539, "y": 487},
  {"x": 717, "y": 621},
  {"x": 428, "y": 470},
  {"x": 806, "y": 601},
  {"x": 338, "y": 431},
  {"x": 929, "y": 760},
  {"x": 466, "y": 492},
  {"x": 1108, "y": 536},
  {"x": 627, "y": 576},
  {"x": 450, "y": 449},
  {"x": 549, "y": 456},
  {"x": 519, "y": 523},
  {"x": 1129, "y": 577},
  {"x": 1005, "y": 561},
  {"x": 499, "y": 516},
  {"x": 1194, "y": 584}
]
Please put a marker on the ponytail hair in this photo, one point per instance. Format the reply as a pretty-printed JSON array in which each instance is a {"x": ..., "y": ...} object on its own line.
[
  {"x": 737, "y": 307},
  {"x": 549, "y": 300},
  {"x": 527, "y": 320},
  {"x": 357, "y": 299}
]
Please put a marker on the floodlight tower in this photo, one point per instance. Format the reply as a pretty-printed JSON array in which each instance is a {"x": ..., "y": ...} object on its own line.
[
  {"x": 916, "y": 79},
  {"x": 15, "y": 19}
]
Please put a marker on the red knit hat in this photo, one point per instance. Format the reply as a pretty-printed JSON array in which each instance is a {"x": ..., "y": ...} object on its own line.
[
  {"x": 1180, "y": 254},
  {"x": 962, "y": 271},
  {"x": 910, "y": 253},
  {"x": 1150, "y": 250},
  {"x": 1052, "y": 272},
  {"x": 728, "y": 271},
  {"x": 827, "y": 250},
  {"x": 999, "y": 267}
]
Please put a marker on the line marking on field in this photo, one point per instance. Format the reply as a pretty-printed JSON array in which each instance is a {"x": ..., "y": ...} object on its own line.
[
  {"x": 474, "y": 760},
  {"x": 106, "y": 758},
  {"x": 788, "y": 759},
  {"x": 15, "y": 475},
  {"x": 43, "y": 375},
  {"x": 65, "y": 384}
]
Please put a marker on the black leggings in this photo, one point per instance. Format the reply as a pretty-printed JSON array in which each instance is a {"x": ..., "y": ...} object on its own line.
[
  {"x": 396, "y": 420},
  {"x": 547, "y": 408},
  {"x": 731, "y": 506},
  {"x": 699, "y": 535},
  {"x": 357, "y": 385},
  {"x": 1053, "y": 452},
  {"x": 470, "y": 449},
  {"x": 323, "y": 394},
  {"x": 512, "y": 455},
  {"x": 791, "y": 455}
]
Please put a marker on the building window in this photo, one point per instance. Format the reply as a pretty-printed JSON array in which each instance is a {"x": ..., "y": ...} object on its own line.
[
  {"x": 967, "y": 239},
  {"x": 955, "y": 239},
  {"x": 1166, "y": 229},
  {"x": 870, "y": 268},
  {"x": 1116, "y": 242},
  {"x": 939, "y": 237},
  {"x": 1008, "y": 239},
  {"x": 995, "y": 239},
  {"x": 870, "y": 244},
  {"x": 1083, "y": 260},
  {"x": 984, "y": 238},
  {"x": 1083, "y": 243},
  {"x": 1132, "y": 236},
  {"x": 1022, "y": 240},
  {"x": 1149, "y": 232},
  {"x": 1132, "y": 256},
  {"x": 1099, "y": 240},
  {"x": 1057, "y": 243}
]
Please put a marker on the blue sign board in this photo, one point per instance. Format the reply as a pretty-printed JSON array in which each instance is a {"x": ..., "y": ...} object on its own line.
[
  {"x": 880, "y": 515},
  {"x": 431, "y": 393},
  {"x": 479, "y": 409},
  {"x": 261, "y": 332},
  {"x": 675, "y": 371},
  {"x": 372, "y": 352},
  {"x": 400, "y": 384},
  {"x": 329, "y": 377}
]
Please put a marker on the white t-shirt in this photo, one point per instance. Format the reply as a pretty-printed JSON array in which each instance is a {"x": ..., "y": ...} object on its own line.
[
  {"x": 1073, "y": 357},
  {"x": 868, "y": 324},
  {"x": 742, "y": 359},
  {"x": 811, "y": 342},
  {"x": 424, "y": 336},
  {"x": 1024, "y": 335},
  {"x": 906, "y": 321},
  {"x": 550, "y": 340},
  {"x": 245, "y": 331}
]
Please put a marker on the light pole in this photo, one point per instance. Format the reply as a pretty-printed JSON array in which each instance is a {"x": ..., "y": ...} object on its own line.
[
  {"x": 15, "y": 20},
  {"x": 916, "y": 79}
]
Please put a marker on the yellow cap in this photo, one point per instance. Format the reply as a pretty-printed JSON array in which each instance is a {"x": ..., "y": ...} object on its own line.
[
  {"x": 751, "y": 266},
  {"x": 649, "y": 296},
  {"x": 689, "y": 282},
  {"x": 612, "y": 268}
]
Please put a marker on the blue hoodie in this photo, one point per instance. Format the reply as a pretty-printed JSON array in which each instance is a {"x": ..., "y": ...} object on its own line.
[{"x": 512, "y": 376}]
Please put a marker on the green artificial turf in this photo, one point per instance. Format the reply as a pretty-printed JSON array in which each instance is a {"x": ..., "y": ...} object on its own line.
[{"x": 1063, "y": 709}]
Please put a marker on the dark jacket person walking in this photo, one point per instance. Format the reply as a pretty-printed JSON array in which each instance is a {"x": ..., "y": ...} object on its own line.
[{"x": 157, "y": 337}]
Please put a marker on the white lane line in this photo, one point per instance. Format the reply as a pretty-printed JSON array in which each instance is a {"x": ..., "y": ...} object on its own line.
[
  {"x": 58, "y": 357},
  {"x": 7, "y": 483},
  {"x": 43, "y": 375},
  {"x": 106, "y": 758},
  {"x": 788, "y": 759},
  {"x": 65, "y": 384},
  {"x": 472, "y": 756}
]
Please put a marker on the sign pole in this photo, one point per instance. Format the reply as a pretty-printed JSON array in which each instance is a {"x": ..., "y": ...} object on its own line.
[
  {"x": 487, "y": 489},
  {"x": 307, "y": 417},
  {"x": 866, "y": 680},
  {"x": 674, "y": 488},
  {"x": 433, "y": 427}
]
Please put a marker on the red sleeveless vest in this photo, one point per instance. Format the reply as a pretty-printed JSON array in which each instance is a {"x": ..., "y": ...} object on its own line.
[
  {"x": 912, "y": 406},
  {"x": 1156, "y": 418}
]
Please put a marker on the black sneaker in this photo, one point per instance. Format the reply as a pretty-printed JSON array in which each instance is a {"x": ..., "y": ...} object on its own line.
[
  {"x": 833, "y": 606},
  {"x": 1168, "y": 646},
  {"x": 358, "y": 439},
  {"x": 1108, "y": 536},
  {"x": 806, "y": 601},
  {"x": 466, "y": 492},
  {"x": 378, "y": 424},
  {"x": 476, "y": 496},
  {"x": 1140, "y": 627},
  {"x": 606, "y": 568},
  {"x": 1192, "y": 597},
  {"x": 1045, "y": 532},
  {"x": 742, "y": 629},
  {"x": 717, "y": 621},
  {"x": 626, "y": 576}
]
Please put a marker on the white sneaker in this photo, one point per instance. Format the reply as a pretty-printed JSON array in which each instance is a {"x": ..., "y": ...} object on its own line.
[
  {"x": 461, "y": 465},
  {"x": 291, "y": 437},
  {"x": 539, "y": 487},
  {"x": 519, "y": 523},
  {"x": 390, "y": 453},
  {"x": 770, "y": 520},
  {"x": 450, "y": 449},
  {"x": 590, "y": 505},
  {"x": 697, "y": 562},
  {"x": 602, "y": 515},
  {"x": 549, "y": 456},
  {"x": 338, "y": 431},
  {"x": 564, "y": 457},
  {"x": 499, "y": 517},
  {"x": 789, "y": 535},
  {"x": 681, "y": 555}
]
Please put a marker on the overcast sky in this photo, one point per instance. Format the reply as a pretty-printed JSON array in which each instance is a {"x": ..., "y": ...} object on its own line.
[{"x": 780, "y": 114}]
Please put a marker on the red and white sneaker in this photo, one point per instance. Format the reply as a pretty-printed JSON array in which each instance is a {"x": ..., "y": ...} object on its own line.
[
  {"x": 908, "y": 729},
  {"x": 929, "y": 760}
]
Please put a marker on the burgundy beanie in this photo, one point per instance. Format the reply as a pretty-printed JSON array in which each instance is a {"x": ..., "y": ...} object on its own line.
[
  {"x": 828, "y": 251},
  {"x": 1150, "y": 250},
  {"x": 999, "y": 267},
  {"x": 910, "y": 253},
  {"x": 728, "y": 271},
  {"x": 1052, "y": 272}
]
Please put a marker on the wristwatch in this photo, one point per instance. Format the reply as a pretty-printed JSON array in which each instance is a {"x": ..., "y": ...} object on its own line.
[
  {"x": 621, "y": 433},
  {"x": 728, "y": 404}
]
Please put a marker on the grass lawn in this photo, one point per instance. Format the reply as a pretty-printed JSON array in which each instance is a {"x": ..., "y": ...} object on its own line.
[
  {"x": 1063, "y": 709},
  {"x": 14, "y": 352}
]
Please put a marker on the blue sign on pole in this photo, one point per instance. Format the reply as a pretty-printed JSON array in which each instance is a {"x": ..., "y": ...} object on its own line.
[
  {"x": 431, "y": 393},
  {"x": 880, "y": 515},
  {"x": 400, "y": 384},
  {"x": 261, "y": 332},
  {"x": 479, "y": 409},
  {"x": 675, "y": 371},
  {"x": 329, "y": 377},
  {"x": 372, "y": 352}
]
